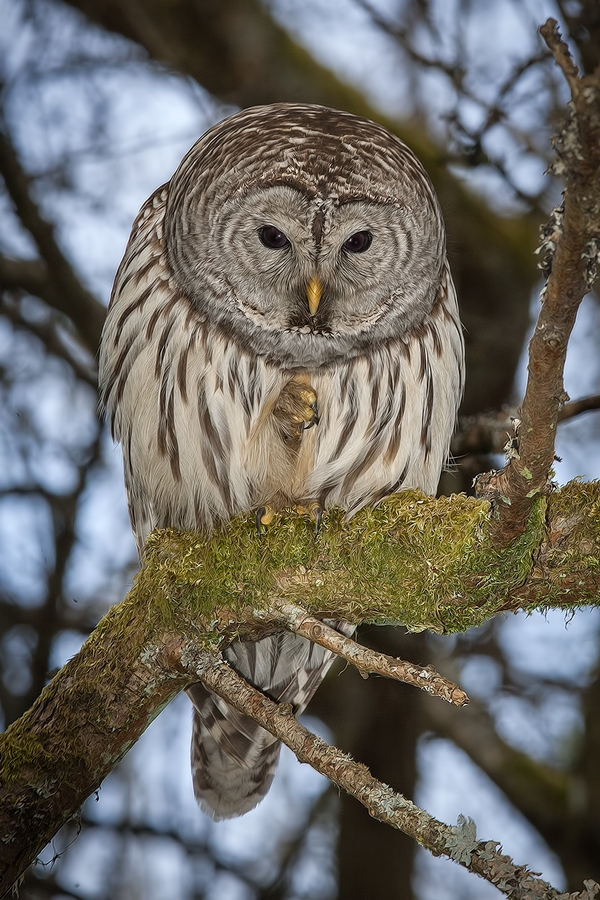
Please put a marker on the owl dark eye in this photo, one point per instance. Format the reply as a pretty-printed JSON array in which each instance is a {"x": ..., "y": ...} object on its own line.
[
  {"x": 359, "y": 242},
  {"x": 272, "y": 237}
]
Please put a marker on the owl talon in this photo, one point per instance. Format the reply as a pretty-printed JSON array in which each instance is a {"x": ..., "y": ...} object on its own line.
[
  {"x": 315, "y": 511},
  {"x": 318, "y": 516},
  {"x": 310, "y": 420},
  {"x": 296, "y": 410}
]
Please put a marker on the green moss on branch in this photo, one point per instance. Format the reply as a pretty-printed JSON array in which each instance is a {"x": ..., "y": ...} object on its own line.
[{"x": 415, "y": 560}]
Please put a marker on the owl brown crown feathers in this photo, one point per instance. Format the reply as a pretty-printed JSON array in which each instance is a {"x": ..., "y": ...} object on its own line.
[{"x": 283, "y": 330}]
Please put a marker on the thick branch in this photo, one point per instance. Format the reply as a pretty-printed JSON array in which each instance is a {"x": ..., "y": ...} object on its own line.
[
  {"x": 570, "y": 244},
  {"x": 78, "y": 729}
]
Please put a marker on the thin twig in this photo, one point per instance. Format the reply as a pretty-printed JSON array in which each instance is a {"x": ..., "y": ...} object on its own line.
[
  {"x": 489, "y": 432},
  {"x": 562, "y": 55},
  {"x": 576, "y": 407},
  {"x": 367, "y": 661}
]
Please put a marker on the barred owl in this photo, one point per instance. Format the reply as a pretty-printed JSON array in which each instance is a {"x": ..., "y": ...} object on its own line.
[{"x": 283, "y": 331}]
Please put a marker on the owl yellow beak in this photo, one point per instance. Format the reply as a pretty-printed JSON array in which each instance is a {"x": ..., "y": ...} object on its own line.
[{"x": 314, "y": 289}]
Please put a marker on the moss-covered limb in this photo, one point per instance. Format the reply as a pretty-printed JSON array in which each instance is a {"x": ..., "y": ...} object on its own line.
[
  {"x": 416, "y": 560},
  {"x": 566, "y": 570},
  {"x": 82, "y": 724},
  {"x": 455, "y": 842},
  {"x": 367, "y": 661}
]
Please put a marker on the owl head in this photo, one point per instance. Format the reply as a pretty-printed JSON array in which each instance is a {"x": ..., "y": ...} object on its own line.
[{"x": 305, "y": 233}]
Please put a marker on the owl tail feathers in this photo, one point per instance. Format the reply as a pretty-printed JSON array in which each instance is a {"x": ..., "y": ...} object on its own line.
[{"x": 233, "y": 758}]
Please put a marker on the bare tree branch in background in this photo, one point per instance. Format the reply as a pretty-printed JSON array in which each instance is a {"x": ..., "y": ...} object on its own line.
[{"x": 58, "y": 283}]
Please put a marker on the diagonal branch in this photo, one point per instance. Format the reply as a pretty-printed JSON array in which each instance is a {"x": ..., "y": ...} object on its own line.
[
  {"x": 570, "y": 248},
  {"x": 367, "y": 661}
]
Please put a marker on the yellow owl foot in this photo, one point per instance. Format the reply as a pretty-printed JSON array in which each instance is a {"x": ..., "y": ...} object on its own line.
[
  {"x": 296, "y": 410},
  {"x": 315, "y": 511},
  {"x": 264, "y": 516}
]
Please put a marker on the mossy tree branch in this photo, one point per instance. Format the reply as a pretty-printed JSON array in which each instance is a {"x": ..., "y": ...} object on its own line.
[{"x": 425, "y": 562}]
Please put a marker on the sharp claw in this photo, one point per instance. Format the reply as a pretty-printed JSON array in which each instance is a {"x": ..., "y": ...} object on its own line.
[
  {"x": 318, "y": 514},
  {"x": 259, "y": 514},
  {"x": 304, "y": 425},
  {"x": 318, "y": 519}
]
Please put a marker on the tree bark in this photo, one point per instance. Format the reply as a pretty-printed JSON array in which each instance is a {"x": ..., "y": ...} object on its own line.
[{"x": 379, "y": 723}]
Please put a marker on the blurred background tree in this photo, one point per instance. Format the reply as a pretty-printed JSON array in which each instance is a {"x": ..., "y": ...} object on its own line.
[{"x": 99, "y": 99}]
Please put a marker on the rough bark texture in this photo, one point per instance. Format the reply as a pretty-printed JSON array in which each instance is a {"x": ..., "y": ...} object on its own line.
[{"x": 76, "y": 732}]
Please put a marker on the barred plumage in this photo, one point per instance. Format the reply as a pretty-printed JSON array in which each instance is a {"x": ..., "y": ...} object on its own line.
[{"x": 214, "y": 336}]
